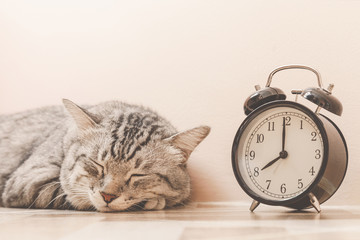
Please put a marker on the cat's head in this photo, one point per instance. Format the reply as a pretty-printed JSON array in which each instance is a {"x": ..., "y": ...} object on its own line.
[{"x": 126, "y": 159}]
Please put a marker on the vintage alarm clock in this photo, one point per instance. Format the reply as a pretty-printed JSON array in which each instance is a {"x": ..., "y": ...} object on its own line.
[{"x": 285, "y": 154}]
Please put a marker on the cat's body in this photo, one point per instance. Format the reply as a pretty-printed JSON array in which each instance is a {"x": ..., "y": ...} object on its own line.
[{"x": 109, "y": 157}]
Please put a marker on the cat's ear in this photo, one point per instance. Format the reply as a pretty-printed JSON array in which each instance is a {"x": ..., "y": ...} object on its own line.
[
  {"x": 188, "y": 140},
  {"x": 82, "y": 119}
]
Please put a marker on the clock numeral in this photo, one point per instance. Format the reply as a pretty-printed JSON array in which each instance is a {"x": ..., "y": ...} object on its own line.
[
  {"x": 252, "y": 155},
  {"x": 287, "y": 121},
  {"x": 271, "y": 126},
  {"x": 256, "y": 172},
  {"x": 313, "y": 134},
  {"x": 259, "y": 138},
  {"x": 312, "y": 171},
  {"x": 301, "y": 124},
  {"x": 283, "y": 188},
  {"x": 300, "y": 184},
  {"x": 268, "y": 182},
  {"x": 317, "y": 154}
]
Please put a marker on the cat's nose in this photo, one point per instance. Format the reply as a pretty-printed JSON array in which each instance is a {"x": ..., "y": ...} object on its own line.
[{"x": 108, "y": 198}]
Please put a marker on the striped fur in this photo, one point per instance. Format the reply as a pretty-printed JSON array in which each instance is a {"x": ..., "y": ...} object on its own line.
[{"x": 107, "y": 157}]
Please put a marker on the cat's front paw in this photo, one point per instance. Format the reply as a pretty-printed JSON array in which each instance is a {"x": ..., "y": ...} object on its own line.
[{"x": 155, "y": 204}]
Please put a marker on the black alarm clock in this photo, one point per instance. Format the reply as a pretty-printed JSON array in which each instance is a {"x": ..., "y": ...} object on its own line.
[{"x": 286, "y": 154}]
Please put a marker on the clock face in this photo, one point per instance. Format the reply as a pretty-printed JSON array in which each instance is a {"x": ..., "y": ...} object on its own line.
[{"x": 279, "y": 153}]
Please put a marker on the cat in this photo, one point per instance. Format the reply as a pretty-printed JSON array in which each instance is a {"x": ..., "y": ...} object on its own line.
[{"x": 108, "y": 157}]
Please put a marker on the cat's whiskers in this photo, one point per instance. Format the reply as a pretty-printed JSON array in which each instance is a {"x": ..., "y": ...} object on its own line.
[
  {"x": 44, "y": 191},
  {"x": 81, "y": 185},
  {"x": 80, "y": 199},
  {"x": 137, "y": 205},
  {"x": 55, "y": 198},
  {"x": 81, "y": 204},
  {"x": 79, "y": 193}
]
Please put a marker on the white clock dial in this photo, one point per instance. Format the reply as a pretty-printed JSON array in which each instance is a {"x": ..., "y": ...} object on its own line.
[{"x": 276, "y": 161}]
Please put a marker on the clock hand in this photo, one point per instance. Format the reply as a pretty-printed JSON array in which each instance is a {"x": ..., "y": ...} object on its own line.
[
  {"x": 282, "y": 155},
  {"x": 283, "y": 136},
  {"x": 271, "y": 162}
]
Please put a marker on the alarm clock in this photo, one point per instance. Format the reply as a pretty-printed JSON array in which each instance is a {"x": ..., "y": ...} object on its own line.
[{"x": 286, "y": 154}]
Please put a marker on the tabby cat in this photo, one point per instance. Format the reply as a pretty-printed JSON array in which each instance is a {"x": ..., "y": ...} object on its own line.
[{"x": 107, "y": 157}]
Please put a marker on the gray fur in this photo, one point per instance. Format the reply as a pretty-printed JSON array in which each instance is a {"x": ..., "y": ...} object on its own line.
[{"x": 107, "y": 157}]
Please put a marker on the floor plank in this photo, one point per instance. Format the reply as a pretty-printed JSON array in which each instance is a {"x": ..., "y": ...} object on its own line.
[{"x": 195, "y": 221}]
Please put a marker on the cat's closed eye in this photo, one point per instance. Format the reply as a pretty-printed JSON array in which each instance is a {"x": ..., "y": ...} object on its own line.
[
  {"x": 134, "y": 177},
  {"x": 94, "y": 168}
]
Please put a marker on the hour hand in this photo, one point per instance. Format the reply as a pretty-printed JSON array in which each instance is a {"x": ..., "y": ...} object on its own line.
[
  {"x": 271, "y": 162},
  {"x": 283, "y": 155}
]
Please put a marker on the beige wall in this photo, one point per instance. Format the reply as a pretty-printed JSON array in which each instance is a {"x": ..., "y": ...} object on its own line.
[{"x": 195, "y": 62}]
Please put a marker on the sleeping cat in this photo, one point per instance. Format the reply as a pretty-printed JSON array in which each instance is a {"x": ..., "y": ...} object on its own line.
[{"x": 108, "y": 157}]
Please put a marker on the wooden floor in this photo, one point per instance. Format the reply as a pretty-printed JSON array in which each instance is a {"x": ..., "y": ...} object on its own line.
[{"x": 196, "y": 221}]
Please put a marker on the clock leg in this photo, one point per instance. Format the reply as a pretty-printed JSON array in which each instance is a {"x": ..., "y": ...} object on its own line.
[
  {"x": 254, "y": 205},
  {"x": 314, "y": 202}
]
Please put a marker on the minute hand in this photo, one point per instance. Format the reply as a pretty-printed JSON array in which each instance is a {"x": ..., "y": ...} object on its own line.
[
  {"x": 271, "y": 162},
  {"x": 283, "y": 136}
]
